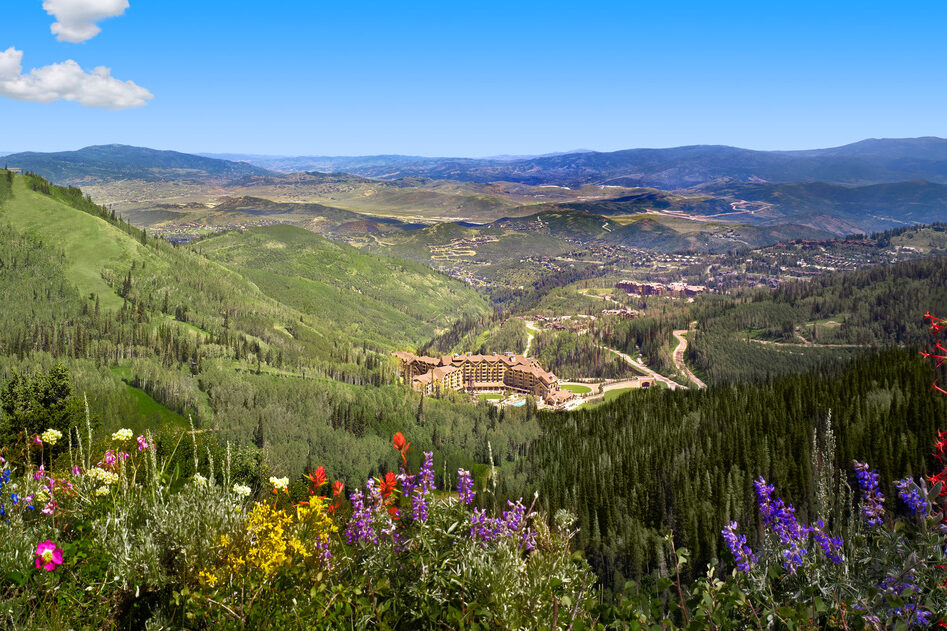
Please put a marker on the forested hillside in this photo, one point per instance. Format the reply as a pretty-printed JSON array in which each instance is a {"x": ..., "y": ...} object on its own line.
[
  {"x": 388, "y": 302},
  {"x": 834, "y": 316},
  {"x": 142, "y": 324},
  {"x": 661, "y": 461}
]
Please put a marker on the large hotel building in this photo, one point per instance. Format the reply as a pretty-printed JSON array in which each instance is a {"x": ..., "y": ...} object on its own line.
[{"x": 481, "y": 373}]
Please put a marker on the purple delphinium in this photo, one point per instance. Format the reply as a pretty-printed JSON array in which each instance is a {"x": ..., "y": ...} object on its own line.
[
  {"x": 425, "y": 484},
  {"x": 873, "y": 502},
  {"x": 737, "y": 544},
  {"x": 465, "y": 486},
  {"x": 781, "y": 519},
  {"x": 912, "y": 496},
  {"x": 361, "y": 526}
]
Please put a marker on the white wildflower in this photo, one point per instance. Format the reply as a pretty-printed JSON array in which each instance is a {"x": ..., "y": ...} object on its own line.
[
  {"x": 123, "y": 434},
  {"x": 241, "y": 490},
  {"x": 50, "y": 436},
  {"x": 103, "y": 476},
  {"x": 279, "y": 483}
]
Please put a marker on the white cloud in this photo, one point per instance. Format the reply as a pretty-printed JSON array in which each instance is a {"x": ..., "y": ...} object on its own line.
[
  {"x": 76, "y": 19},
  {"x": 67, "y": 81}
]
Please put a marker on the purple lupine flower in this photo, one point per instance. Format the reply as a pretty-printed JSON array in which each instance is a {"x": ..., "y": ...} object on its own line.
[
  {"x": 873, "y": 502},
  {"x": 830, "y": 545},
  {"x": 781, "y": 519},
  {"x": 737, "y": 544},
  {"x": 913, "y": 616},
  {"x": 482, "y": 527},
  {"x": 425, "y": 484},
  {"x": 511, "y": 523},
  {"x": 465, "y": 486},
  {"x": 898, "y": 586},
  {"x": 912, "y": 496},
  {"x": 361, "y": 526}
]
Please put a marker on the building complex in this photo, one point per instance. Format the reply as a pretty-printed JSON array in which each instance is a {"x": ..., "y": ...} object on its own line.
[{"x": 481, "y": 373}]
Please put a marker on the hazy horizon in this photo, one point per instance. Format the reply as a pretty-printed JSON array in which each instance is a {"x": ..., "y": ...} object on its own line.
[{"x": 507, "y": 156}]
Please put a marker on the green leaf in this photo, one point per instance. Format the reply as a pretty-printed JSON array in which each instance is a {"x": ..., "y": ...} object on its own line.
[{"x": 16, "y": 577}]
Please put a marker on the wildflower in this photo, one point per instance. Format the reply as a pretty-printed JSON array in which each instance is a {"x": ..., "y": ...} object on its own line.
[
  {"x": 387, "y": 484},
  {"x": 109, "y": 459},
  {"x": 873, "y": 502},
  {"x": 419, "y": 504},
  {"x": 402, "y": 446},
  {"x": 337, "y": 487},
  {"x": 40, "y": 473},
  {"x": 361, "y": 525},
  {"x": 830, "y": 545},
  {"x": 912, "y": 496},
  {"x": 510, "y": 524},
  {"x": 142, "y": 443},
  {"x": 103, "y": 476},
  {"x": 207, "y": 579},
  {"x": 782, "y": 520},
  {"x": 48, "y": 556},
  {"x": 913, "y": 616},
  {"x": 737, "y": 544},
  {"x": 318, "y": 477},
  {"x": 102, "y": 490},
  {"x": 51, "y": 436},
  {"x": 241, "y": 490},
  {"x": 279, "y": 484},
  {"x": 465, "y": 486},
  {"x": 50, "y": 507},
  {"x": 199, "y": 480},
  {"x": 123, "y": 435},
  {"x": 76, "y": 471},
  {"x": 37, "y": 440}
]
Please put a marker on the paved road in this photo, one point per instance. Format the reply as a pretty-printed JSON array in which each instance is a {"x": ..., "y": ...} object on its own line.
[
  {"x": 673, "y": 385},
  {"x": 679, "y": 358}
]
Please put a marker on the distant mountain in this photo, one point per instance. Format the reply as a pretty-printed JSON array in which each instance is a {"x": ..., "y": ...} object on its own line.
[
  {"x": 839, "y": 209},
  {"x": 105, "y": 163},
  {"x": 865, "y": 162}
]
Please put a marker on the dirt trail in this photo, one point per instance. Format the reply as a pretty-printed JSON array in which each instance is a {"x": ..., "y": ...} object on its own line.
[
  {"x": 533, "y": 330},
  {"x": 679, "y": 357}
]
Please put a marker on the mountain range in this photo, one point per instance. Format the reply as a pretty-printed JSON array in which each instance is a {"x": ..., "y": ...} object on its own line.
[
  {"x": 870, "y": 185},
  {"x": 865, "y": 162}
]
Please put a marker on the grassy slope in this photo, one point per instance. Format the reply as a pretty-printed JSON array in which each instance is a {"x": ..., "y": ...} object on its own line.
[
  {"x": 388, "y": 301},
  {"x": 89, "y": 243}
]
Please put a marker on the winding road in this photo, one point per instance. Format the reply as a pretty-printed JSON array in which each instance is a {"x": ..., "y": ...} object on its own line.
[{"x": 673, "y": 385}]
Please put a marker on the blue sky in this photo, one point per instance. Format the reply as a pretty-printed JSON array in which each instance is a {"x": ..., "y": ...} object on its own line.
[{"x": 486, "y": 78}]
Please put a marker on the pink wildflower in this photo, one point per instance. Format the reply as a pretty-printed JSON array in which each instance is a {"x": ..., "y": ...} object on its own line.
[
  {"x": 142, "y": 443},
  {"x": 40, "y": 473},
  {"x": 49, "y": 509},
  {"x": 76, "y": 471},
  {"x": 48, "y": 556},
  {"x": 37, "y": 440}
]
